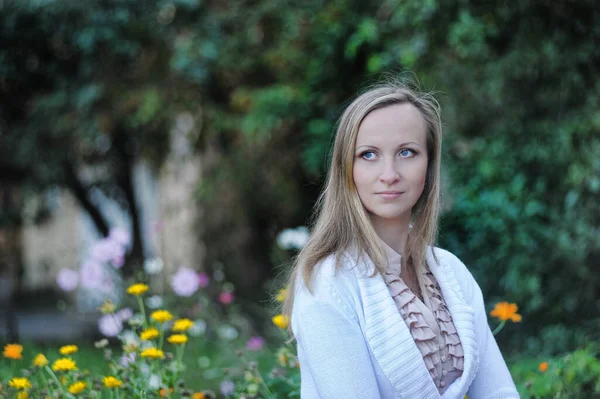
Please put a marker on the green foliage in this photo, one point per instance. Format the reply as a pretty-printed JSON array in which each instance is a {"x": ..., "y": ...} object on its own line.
[
  {"x": 516, "y": 80},
  {"x": 576, "y": 374},
  {"x": 520, "y": 100}
]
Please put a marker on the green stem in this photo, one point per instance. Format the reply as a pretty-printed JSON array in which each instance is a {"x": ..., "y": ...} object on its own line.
[
  {"x": 262, "y": 381},
  {"x": 44, "y": 379},
  {"x": 161, "y": 337},
  {"x": 499, "y": 328},
  {"x": 117, "y": 395},
  {"x": 179, "y": 349},
  {"x": 142, "y": 310},
  {"x": 264, "y": 384},
  {"x": 55, "y": 378}
]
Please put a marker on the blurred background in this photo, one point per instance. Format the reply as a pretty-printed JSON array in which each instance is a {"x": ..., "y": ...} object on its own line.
[{"x": 195, "y": 135}]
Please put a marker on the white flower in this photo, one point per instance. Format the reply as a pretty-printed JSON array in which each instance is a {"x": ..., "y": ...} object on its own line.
[
  {"x": 199, "y": 328},
  {"x": 153, "y": 266},
  {"x": 136, "y": 321},
  {"x": 154, "y": 382},
  {"x": 228, "y": 333},
  {"x": 293, "y": 238},
  {"x": 154, "y": 302},
  {"x": 130, "y": 338}
]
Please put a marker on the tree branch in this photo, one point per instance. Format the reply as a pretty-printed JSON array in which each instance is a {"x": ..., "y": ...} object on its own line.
[{"x": 80, "y": 192}]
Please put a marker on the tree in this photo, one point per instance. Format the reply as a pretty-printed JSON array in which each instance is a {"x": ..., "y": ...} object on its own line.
[{"x": 86, "y": 89}]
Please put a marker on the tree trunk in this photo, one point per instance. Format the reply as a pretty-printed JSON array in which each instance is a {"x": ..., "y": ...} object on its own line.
[{"x": 125, "y": 182}]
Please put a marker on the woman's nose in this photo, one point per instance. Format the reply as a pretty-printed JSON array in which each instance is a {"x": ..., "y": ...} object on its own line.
[{"x": 389, "y": 174}]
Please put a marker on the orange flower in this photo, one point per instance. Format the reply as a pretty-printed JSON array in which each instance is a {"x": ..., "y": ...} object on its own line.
[
  {"x": 198, "y": 395},
  {"x": 506, "y": 311},
  {"x": 543, "y": 367},
  {"x": 13, "y": 351},
  {"x": 163, "y": 392}
]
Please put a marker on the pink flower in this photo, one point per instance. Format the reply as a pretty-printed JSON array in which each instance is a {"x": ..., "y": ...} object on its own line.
[
  {"x": 124, "y": 314},
  {"x": 227, "y": 388},
  {"x": 92, "y": 275},
  {"x": 107, "y": 250},
  {"x": 185, "y": 282},
  {"x": 226, "y": 297},
  {"x": 109, "y": 325},
  {"x": 118, "y": 261},
  {"x": 127, "y": 359},
  {"x": 67, "y": 279},
  {"x": 255, "y": 343},
  {"x": 203, "y": 280},
  {"x": 120, "y": 236}
]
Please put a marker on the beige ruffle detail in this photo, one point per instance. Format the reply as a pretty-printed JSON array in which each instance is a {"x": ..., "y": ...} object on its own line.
[
  {"x": 422, "y": 334},
  {"x": 444, "y": 319},
  {"x": 424, "y": 337}
]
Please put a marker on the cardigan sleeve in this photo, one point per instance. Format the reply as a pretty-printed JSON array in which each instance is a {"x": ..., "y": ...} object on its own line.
[
  {"x": 333, "y": 355},
  {"x": 493, "y": 380},
  {"x": 334, "y": 358}
]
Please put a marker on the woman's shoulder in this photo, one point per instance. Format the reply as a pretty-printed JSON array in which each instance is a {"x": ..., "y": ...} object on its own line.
[
  {"x": 332, "y": 279},
  {"x": 332, "y": 270}
]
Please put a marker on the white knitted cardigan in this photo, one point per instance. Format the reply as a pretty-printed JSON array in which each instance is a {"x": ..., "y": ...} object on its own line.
[{"x": 353, "y": 343}]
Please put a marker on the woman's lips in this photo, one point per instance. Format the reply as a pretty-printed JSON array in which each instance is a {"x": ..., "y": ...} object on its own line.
[{"x": 390, "y": 195}]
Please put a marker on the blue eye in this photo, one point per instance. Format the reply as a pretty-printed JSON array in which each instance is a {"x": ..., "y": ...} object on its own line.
[
  {"x": 405, "y": 153},
  {"x": 367, "y": 155}
]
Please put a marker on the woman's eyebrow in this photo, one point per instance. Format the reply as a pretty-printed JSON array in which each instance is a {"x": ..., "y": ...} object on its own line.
[{"x": 399, "y": 146}]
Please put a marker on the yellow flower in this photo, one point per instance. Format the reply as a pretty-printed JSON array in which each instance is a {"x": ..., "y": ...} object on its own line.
[
  {"x": 64, "y": 364},
  {"x": 19, "y": 383},
  {"x": 182, "y": 325},
  {"x": 282, "y": 295},
  {"x": 178, "y": 339},
  {"x": 281, "y": 321},
  {"x": 68, "y": 349},
  {"x": 107, "y": 307},
  {"x": 112, "y": 382},
  {"x": 77, "y": 387},
  {"x": 543, "y": 367},
  {"x": 198, "y": 395},
  {"x": 161, "y": 316},
  {"x": 23, "y": 395},
  {"x": 506, "y": 311},
  {"x": 13, "y": 351},
  {"x": 153, "y": 353},
  {"x": 137, "y": 289},
  {"x": 40, "y": 360},
  {"x": 149, "y": 334}
]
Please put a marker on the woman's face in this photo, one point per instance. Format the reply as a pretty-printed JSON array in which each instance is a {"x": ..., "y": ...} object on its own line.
[{"x": 390, "y": 161}]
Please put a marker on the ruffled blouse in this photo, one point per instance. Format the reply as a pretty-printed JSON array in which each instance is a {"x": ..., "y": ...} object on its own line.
[{"x": 429, "y": 322}]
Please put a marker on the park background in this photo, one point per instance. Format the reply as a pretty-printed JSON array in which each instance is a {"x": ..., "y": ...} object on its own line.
[{"x": 198, "y": 132}]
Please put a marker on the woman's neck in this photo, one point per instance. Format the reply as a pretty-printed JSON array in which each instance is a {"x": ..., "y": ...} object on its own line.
[{"x": 393, "y": 232}]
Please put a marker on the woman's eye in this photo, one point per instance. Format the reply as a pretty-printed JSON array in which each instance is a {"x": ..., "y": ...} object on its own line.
[
  {"x": 368, "y": 155},
  {"x": 405, "y": 153}
]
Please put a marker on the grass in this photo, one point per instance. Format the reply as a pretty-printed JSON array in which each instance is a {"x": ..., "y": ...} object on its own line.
[{"x": 208, "y": 363}]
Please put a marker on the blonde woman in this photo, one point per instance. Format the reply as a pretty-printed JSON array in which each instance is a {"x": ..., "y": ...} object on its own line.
[{"x": 377, "y": 311}]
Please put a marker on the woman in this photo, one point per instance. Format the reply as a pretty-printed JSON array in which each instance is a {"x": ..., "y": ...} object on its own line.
[{"x": 376, "y": 309}]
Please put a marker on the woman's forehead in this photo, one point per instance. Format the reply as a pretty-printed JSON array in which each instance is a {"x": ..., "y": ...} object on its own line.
[{"x": 392, "y": 125}]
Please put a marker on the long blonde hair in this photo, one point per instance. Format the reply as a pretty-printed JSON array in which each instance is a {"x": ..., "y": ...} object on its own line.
[{"x": 340, "y": 218}]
